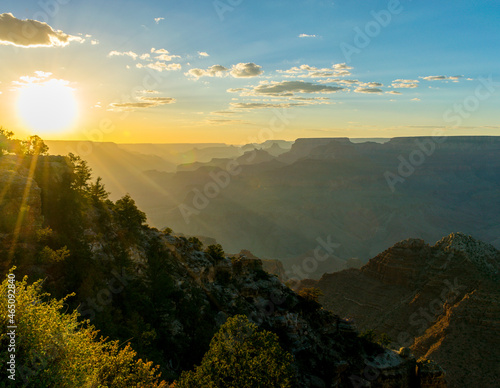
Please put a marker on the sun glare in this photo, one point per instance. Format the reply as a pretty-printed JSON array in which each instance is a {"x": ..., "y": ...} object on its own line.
[{"x": 48, "y": 107}]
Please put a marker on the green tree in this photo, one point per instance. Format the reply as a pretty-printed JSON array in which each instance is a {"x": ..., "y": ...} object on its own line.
[
  {"x": 34, "y": 146},
  {"x": 97, "y": 191},
  {"x": 384, "y": 340},
  {"x": 196, "y": 243},
  {"x": 82, "y": 173},
  {"x": 370, "y": 335},
  {"x": 241, "y": 356},
  {"x": 129, "y": 216},
  {"x": 168, "y": 231},
  {"x": 8, "y": 144},
  {"x": 48, "y": 255},
  {"x": 6, "y": 138},
  {"x": 215, "y": 251}
]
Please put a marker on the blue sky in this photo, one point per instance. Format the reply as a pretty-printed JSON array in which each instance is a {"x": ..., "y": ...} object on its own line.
[{"x": 416, "y": 69}]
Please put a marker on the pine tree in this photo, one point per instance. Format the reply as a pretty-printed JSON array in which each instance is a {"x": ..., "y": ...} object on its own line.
[{"x": 98, "y": 191}]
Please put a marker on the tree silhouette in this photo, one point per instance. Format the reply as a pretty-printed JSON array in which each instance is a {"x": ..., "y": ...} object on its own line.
[
  {"x": 129, "y": 216},
  {"x": 34, "y": 146},
  {"x": 82, "y": 173},
  {"x": 98, "y": 191}
]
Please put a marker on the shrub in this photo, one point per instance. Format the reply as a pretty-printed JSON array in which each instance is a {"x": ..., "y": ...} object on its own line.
[
  {"x": 215, "y": 252},
  {"x": 54, "y": 350},
  {"x": 311, "y": 294},
  {"x": 241, "y": 356}
]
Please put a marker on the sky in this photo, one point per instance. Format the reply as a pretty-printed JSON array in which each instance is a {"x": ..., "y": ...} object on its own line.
[{"x": 241, "y": 71}]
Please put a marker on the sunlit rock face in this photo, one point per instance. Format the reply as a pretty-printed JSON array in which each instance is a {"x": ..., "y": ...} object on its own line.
[{"x": 442, "y": 301}]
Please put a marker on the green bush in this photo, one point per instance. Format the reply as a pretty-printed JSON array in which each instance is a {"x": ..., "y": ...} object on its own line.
[
  {"x": 241, "y": 356},
  {"x": 215, "y": 252},
  {"x": 54, "y": 350}
]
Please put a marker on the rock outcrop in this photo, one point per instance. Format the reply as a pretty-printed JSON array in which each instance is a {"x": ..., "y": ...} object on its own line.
[
  {"x": 441, "y": 301},
  {"x": 327, "y": 349}
]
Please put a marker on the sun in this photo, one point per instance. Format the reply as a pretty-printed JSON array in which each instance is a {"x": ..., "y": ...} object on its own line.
[{"x": 49, "y": 107}]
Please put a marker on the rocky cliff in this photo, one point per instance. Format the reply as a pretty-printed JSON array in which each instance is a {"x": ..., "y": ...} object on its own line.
[
  {"x": 170, "y": 296},
  {"x": 442, "y": 301},
  {"x": 364, "y": 196}
]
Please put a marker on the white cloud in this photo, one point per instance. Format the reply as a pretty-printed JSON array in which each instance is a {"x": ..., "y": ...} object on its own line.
[
  {"x": 213, "y": 71},
  {"x": 158, "y": 20},
  {"x": 261, "y": 105},
  {"x": 32, "y": 33},
  {"x": 288, "y": 88},
  {"x": 246, "y": 70},
  {"x": 415, "y": 99},
  {"x": 341, "y": 66},
  {"x": 442, "y": 77},
  {"x": 144, "y": 102},
  {"x": 160, "y": 66},
  {"x": 203, "y": 54},
  {"x": 130, "y": 54},
  {"x": 405, "y": 83},
  {"x": 26, "y": 80},
  {"x": 393, "y": 92},
  {"x": 241, "y": 70},
  {"x": 225, "y": 121},
  {"x": 43, "y": 74},
  {"x": 166, "y": 57},
  {"x": 145, "y": 57},
  {"x": 368, "y": 90},
  {"x": 306, "y": 71},
  {"x": 39, "y": 78},
  {"x": 370, "y": 84},
  {"x": 307, "y": 36},
  {"x": 338, "y": 80},
  {"x": 224, "y": 112},
  {"x": 159, "y": 51},
  {"x": 310, "y": 98}
]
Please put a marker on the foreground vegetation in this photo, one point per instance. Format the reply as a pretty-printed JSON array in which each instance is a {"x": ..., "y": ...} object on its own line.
[
  {"x": 54, "y": 349},
  {"x": 57, "y": 345}
]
